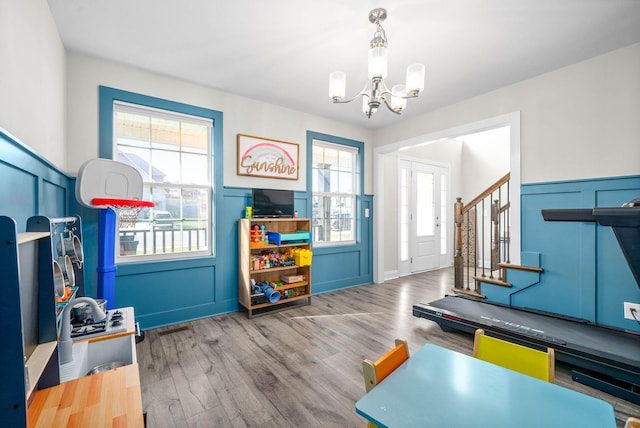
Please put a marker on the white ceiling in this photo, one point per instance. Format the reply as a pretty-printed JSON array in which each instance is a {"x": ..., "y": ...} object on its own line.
[{"x": 282, "y": 51}]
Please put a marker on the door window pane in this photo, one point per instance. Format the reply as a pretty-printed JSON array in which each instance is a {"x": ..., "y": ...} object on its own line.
[
  {"x": 404, "y": 214},
  {"x": 425, "y": 218}
]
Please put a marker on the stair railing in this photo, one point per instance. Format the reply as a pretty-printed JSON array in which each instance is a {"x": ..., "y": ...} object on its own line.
[{"x": 481, "y": 228}]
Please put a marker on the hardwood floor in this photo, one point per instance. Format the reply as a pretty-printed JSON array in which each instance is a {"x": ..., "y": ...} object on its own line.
[{"x": 297, "y": 368}]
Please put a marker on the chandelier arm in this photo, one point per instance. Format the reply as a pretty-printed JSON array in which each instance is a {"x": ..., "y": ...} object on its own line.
[
  {"x": 344, "y": 101},
  {"x": 384, "y": 99},
  {"x": 404, "y": 97}
]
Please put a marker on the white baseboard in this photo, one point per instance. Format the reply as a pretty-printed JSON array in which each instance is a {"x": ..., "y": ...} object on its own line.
[{"x": 392, "y": 274}]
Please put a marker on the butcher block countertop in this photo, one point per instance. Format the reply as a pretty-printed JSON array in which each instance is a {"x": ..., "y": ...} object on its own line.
[{"x": 108, "y": 399}]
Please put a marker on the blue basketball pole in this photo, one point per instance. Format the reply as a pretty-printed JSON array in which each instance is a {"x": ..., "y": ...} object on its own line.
[{"x": 106, "y": 257}]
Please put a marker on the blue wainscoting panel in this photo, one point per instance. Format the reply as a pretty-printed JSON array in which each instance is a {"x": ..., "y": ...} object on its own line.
[
  {"x": 521, "y": 282},
  {"x": 53, "y": 198},
  {"x": 342, "y": 266},
  {"x": 567, "y": 252},
  {"x": 18, "y": 194},
  {"x": 30, "y": 184},
  {"x": 335, "y": 269},
  {"x": 90, "y": 225},
  {"x": 615, "y": 280},
  {"x": 585, "y": 274},
  {"x": 171, "y": 294}
]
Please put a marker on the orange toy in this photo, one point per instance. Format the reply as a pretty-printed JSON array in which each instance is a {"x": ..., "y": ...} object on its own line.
[{"x": 256, "y": 237}]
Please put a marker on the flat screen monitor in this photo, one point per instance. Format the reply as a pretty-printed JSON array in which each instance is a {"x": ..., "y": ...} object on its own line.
[{"x": 272, "y": 203}]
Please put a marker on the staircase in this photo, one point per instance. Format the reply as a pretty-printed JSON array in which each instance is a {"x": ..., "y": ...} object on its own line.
[{"x": 482, "y": 242}]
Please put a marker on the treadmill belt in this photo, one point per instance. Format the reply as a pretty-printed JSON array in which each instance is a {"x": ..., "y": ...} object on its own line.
[{"x": 572, "y": 339}]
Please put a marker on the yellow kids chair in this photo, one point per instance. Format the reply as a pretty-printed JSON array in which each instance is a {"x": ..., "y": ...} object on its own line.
[{"x": 529, "y": 361}]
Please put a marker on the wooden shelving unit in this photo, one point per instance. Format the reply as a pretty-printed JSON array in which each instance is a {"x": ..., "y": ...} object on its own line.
[
  {"x": 38, "y": 361},
  {"x": 29, "y": 360},
  {"x": 29, "y": 356},
  {"x": 247, "y": 265}
]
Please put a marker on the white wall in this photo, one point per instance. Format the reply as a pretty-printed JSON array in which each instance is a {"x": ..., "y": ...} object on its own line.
[
  {"x": 485, "y": 159},
  {"x": 391, "y": 185},
  {"x": 577, "y": 122},
  {"x": 240, "y": 116},
  {"x": 446, "y": 152},
  {"x": 32, "y": 78}
]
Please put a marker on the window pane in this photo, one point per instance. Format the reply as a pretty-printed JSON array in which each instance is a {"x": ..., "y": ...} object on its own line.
[
  {"x": 133, "y": 127},
  {"x": 320, "y": 179},
  {"x": 346, "y": 161},
  {"x": 318, "y": 156},
  {"x": 165, "y": 134},
  {"x": 167, "y": 165},
  {"x": 195, "y": 205},
  {"x": 331, "y": 157},
  {"x": 175, "y": 160},
  {"x": 333, "y": 206},
  {"x": 195, "y": 169},
  {"x": 137, "y": 157},
  {"x": 345, "y": 183},
  {"x": 195, "y": 138}
]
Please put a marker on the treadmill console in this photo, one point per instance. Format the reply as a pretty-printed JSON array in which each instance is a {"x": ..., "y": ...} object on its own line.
[
  {"x": 632, "y": 203},
  {"x": 624, "y": 220}
]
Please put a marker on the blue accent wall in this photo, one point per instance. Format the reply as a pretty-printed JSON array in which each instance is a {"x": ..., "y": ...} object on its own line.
[
  {"x": 585, "y": 273},
  {"x": 173, "y": 291},
  {"x": 169, "y": 292},
  {"x": 29, "y": 185}
]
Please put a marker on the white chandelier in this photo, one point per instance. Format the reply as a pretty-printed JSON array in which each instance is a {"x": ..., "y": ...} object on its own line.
[{"x": 396, "y": 98}]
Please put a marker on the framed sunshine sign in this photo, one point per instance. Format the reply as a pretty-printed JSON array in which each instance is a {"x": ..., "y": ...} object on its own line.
[{"x": 263, "y": 157}]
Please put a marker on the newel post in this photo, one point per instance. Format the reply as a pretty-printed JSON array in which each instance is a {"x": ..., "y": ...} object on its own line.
[
  {"x": 457, "y": 234},
  {"x": 495, "y": 239}
]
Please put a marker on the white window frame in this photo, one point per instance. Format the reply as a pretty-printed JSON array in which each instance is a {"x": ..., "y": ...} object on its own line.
[
  {"x": 126, "y": 107},
  {"x": 354, "y": 195}
]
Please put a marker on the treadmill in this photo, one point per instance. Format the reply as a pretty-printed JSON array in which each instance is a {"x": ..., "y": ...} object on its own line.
[{"x": 602, "y": 357}]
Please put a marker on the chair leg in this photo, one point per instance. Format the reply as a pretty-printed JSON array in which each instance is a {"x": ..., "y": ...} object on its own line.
[
  {"x": 552, "y": 365},
  {"x": 476, "y": 340},
  {"x": 369, "y": 374},
  {"x": 404, "y": 341}
]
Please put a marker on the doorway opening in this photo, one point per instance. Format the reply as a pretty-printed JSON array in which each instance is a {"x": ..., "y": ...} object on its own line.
[
  {"x": 423, "y": 216},
  {"x": 395, "y": 254}
]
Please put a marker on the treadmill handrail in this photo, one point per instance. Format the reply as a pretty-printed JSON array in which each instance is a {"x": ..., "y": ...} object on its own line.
[{"x": 625, "y": 222}]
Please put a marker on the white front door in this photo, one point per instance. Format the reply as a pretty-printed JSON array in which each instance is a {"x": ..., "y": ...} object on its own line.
[{"x": 422, "y": 213}]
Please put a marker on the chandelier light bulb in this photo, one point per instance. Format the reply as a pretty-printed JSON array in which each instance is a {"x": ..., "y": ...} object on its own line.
[
  {"x": 337, "y": 85},
  {"x": 365, "y": 105},
  {"x": 415, "y": 79},
  {"x": 377, "y": 62},
  {"x": 398, "y": 98}
]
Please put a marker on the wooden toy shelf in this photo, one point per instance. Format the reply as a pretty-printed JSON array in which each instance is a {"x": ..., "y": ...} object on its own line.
[
  {"x": 286, "y": 227},
  {"x": 29, "y": 358}
]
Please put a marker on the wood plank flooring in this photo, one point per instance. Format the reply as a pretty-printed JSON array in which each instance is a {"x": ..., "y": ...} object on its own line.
[{"x": 296, "y": 368}]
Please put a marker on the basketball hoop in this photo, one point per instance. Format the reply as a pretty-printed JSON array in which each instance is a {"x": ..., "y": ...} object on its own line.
[{"x": 126, "y": 209}]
